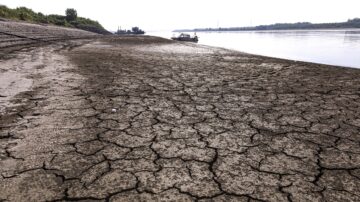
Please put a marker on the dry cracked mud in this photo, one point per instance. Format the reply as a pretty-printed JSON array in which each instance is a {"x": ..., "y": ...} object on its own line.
[{"x": 147, "y": 119}]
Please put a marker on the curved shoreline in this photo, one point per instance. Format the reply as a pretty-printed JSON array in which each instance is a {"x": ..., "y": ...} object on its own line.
[{"x": 324, "y": 48}]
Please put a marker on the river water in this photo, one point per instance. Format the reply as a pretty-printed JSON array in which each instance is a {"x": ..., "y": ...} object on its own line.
[{"x": 334, "y": 47}]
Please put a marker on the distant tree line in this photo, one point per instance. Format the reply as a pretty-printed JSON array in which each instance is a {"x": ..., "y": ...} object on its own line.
[
  {"x": 352, "y": 23},
  {"x": 69, "y": 20},
  {"x": 134, "y": 30}
]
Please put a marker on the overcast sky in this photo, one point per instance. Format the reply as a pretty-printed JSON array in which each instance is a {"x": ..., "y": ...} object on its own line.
[{"x": 174, "y": 14}]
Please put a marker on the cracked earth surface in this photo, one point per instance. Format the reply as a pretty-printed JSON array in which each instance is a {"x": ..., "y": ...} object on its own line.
[{"x": 192, "y": 123}]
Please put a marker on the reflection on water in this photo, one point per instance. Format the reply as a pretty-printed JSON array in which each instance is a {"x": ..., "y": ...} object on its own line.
[
  {"x": 352, "y": 37},
  {"x": 335, "y": 47}
]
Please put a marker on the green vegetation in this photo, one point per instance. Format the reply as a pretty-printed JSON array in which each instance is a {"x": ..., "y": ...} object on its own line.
[
  {"x": 71, "y": 14},
  {"x": 137, "y": 30},
  {"x": 134, "y": 30},
  {"x": 69, "y": 20},
  {"x": 352, "y": 23}
]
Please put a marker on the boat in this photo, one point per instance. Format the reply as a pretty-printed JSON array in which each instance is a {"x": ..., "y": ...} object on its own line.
[{"x": 186, "y": 37}]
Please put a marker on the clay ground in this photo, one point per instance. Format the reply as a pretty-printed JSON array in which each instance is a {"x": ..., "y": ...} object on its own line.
[{"x": 191, "y": 123}]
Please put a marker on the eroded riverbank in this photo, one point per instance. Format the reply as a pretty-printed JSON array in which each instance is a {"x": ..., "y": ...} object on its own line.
[{"x": 191, "y": 123}]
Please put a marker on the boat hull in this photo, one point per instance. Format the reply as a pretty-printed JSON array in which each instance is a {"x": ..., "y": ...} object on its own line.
[{"x": 195, "y": 40}]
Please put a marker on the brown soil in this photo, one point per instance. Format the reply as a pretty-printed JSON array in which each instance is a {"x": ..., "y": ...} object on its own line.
[{"x": 147, "y": 119}]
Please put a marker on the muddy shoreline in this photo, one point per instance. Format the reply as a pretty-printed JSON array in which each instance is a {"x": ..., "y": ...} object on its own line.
[{"x": 144, "y": 118}]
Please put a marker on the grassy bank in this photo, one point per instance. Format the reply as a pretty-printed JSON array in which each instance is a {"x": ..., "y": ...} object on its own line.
[{"x": 26, "y": 14}]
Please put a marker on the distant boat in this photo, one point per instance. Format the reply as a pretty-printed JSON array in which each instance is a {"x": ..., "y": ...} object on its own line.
[{"x": 186, "y": 37}]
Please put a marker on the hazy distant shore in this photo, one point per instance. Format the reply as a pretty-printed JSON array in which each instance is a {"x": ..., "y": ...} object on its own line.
[
  {"x": 142, "y": 118},
  {"x": 350, "y": 24}
]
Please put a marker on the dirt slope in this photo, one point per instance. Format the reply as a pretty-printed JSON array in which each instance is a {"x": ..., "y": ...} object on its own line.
[{"x": 21, "y": 34}]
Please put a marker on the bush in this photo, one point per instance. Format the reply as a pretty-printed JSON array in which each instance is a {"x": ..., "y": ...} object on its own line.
[
  {"x": 71, "y": 14},
  {"x": 70, "y": 20}
]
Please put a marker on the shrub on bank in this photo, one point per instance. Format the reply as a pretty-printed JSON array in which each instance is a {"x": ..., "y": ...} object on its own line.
[{"x": 70, "y": 20}]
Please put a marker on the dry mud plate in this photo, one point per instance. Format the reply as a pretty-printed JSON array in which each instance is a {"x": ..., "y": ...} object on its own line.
[{"x": 146, "y": 119}]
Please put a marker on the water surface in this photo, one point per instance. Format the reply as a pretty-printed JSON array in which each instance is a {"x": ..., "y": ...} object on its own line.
[{"x": 334, "y": 47}]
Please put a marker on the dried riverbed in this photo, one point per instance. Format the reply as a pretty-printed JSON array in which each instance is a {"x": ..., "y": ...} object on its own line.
[{"x": 190, "y": 123}]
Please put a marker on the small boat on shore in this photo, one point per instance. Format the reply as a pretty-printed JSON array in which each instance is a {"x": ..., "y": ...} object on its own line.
[{"x": 186, "y": 37}]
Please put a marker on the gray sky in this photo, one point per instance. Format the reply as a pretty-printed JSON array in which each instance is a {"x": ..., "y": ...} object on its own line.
[{"x": 174, "y": 14}]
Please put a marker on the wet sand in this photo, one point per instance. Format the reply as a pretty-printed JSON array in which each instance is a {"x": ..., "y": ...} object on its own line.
[{"x": 148, "y": 119}]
